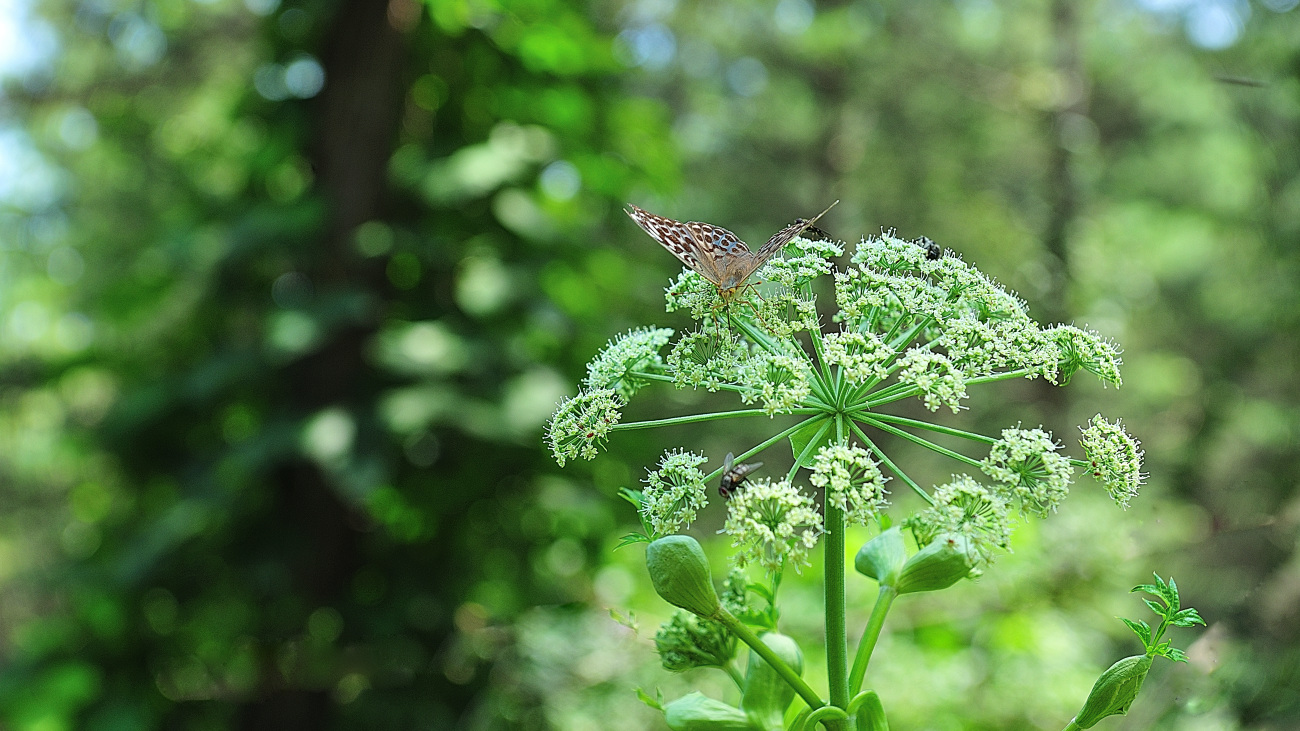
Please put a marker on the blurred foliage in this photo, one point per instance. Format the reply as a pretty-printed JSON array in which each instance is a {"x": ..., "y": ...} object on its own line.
[{"x": 288, "y": 289}]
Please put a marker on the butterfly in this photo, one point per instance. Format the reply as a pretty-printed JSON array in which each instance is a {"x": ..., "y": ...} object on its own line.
[
  {"x": 733, "y": 475},
  {"x": 715, "y": 253}
]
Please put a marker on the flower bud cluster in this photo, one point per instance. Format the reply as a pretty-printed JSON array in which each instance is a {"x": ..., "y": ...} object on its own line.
[
  {"x": 675, "y": 492},
  {"x": 581, "y": 425},
  {"x": 862, "y": 356},
  {"x": 966, "y": 508},
  {"x": 1116, "y": 458},
  {"x": 616, "y": 365}
]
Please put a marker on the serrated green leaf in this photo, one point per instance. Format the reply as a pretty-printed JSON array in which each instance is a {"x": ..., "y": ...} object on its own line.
[
  {"x": 632, "y": 496},
  {"x": 1176, "y": 655},
  {"x": 762, "y": 591},
  {"x": 1155, "y": 607},
  {"x": 1173, "y": 593},
  {"x": 1147, "y": 588},
  {"x": 799, "y": 440}
]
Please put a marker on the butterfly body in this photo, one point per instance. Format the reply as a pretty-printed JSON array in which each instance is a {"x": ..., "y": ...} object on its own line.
[
  {"x": 734, "y": 475},
  {"x": 713, "y": 252}
]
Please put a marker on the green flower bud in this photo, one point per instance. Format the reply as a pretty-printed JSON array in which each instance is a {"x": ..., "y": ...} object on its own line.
[
  {"x": 680, "y": 574},
  {"x": 766, "y": 694},
  {"x": 947, "y": 560},
  {"x": 882, "y": 557},
  {"x": 698, "y": 712},
  {"x": 1114, "y": 691}
]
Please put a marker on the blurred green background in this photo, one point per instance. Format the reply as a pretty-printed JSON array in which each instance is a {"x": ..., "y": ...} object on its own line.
[{"x": 289, "y": 287}]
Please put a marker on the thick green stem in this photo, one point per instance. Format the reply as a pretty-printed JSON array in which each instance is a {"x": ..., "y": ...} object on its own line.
[
  {"x": 1071, "y": 726},
  {"x": 760, "y": 447},
  {"x": 747, "y": 636},
  {"x": 837, "y": 650},
  {"x": 870, "y": 635}
]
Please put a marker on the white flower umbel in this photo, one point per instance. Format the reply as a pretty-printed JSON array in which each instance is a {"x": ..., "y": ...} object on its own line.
[
  {"x": 580, "y": 425},
  {"x": 674, "y": 492},
  {"x": 935, "y": 376},
  {"x": 780, "y": 380},
  {"x": 706, "y": 358},
  {"x": 852, "y": 481},
  {"x": 967, "y": 508},
  {"x": 636, "y": 350},
  {"x": 772, "y": 523},
  {"x": 862, "y": 356},
  {"x": 1085, "y": 350},
  {"x": 1027, "y": 463},
  {"x": 1115, "y": 458}
]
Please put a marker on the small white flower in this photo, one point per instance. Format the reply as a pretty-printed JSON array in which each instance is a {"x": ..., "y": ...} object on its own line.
[
  {"x": 706, "y": 358},
  {"x": 940, "y": 382},
  {"x": 780, "y": 380},
  {"x": 1085, "y": 350},
  {"x": 862, "y": 356},
  {"x": 966, "y": 508}
]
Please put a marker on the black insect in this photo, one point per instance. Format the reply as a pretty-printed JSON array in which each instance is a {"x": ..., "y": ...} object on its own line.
[
  {"x": 733, "y": 475},
  {"x": 932, "y": 250}
]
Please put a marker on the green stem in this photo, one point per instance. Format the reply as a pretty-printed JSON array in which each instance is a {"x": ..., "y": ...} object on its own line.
[
  {"x": 870, "y": 635},
  {"x": 802, "y": 458},
  {"x": 761, "y": 446},
  {"x": 696, "y": 418},
  {"x": 1071, "y": 726},
  {"x": 915, "y": 423},
  {"x": 890, "y": 463},
  {"x": 787, "y": 674},
  {"x": 836, "y": 635},
  {"x": 921, "y": 442}
]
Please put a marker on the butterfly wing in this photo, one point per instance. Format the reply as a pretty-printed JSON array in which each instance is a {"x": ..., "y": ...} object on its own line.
[
  {"x": 786, "y": 235},
  {"x": 672, "y": 235},
  {"x": 722, "y": 254}
]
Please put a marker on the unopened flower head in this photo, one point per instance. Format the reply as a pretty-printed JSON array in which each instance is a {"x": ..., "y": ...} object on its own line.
[
  {"x": 939, "y": 381},
  {"x": 580, "y": 425},
  {"x": 686, "y": 641},
  {"x": 1116, "y": 458},
  {"x": 780, "y": 380},
  {"x": 862, "y": 356},
  {"x": 852, "y": 481},
  {"x": 772, "y": 523},
  {"x": 706, "y": 358},
  {"x": 967, "y": 508},
  {"x": 1085, "y": 350},
  {"x": 635, "y": 350},
  {"x": 1027, "y": 463},
  {"x": 674, "y": 492}
]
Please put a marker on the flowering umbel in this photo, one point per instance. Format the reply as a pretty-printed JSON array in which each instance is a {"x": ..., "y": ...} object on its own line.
[{"x": 909, "y": 321}]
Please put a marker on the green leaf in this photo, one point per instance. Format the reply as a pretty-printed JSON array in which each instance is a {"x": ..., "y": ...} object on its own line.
[
  {"x": 1155, "y": 607},
  {"x": 799, "y": 440},
  {"x": 1140, "y": 628},
  {"x": 1176, "y": 655},
  {"x": 632, "y": 538},
  {"x": 1187, "y": 618}
]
